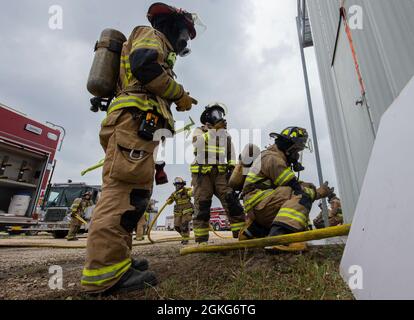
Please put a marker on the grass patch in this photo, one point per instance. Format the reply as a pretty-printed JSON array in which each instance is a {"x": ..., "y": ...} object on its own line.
[{"x": 253, "y": 274}]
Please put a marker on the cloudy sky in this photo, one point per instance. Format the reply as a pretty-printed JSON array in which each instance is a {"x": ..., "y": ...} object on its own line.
[{"x": 247, "y": 58}]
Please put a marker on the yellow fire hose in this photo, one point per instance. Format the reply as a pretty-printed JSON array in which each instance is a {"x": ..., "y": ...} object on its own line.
[
  {"x": 217, "y": 235},
  {"x": 153, "y": 223},
  {"x": 78, "y": 217},
  {"x": 93, "y": 168},
  {"x": 272, "y": 241}
]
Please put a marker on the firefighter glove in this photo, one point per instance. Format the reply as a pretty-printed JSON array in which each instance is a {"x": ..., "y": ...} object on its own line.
[
  {"x": 185, "y": 103},
  {"x": 325, "y": 191}
]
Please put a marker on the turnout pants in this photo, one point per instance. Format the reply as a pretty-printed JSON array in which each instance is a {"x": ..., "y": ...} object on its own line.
[
  {"x": 128, "y": 175},
  {"x": 140, "y": 231},
  {"x": 205, "y": 186},
  {"x": 281, "y": 207},
  {"x": 74, "y": 228},
  {"x": 182, "y": 225}
]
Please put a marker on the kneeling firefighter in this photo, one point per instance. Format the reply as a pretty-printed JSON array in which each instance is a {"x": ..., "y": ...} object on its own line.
[
  {"x": 335, "y": 214},
  {"x": 145, "y": 91},
  {"x": 211, "y": 170},
  {"x": 183, "y": 209},
  {"x": 275, "y": 200}
]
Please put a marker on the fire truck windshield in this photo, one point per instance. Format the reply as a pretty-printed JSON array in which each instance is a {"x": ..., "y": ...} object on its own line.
[{"x": 63, "y": 197}]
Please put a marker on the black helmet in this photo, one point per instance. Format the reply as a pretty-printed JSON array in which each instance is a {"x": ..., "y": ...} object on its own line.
[
  {"x": 159, "y": 8},
  {"x": 296, "y": 137},
  {"x": 214, "y": 113}
]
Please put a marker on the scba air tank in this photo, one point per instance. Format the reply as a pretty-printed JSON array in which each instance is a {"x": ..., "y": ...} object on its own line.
[{"x": 104, "y": 73}]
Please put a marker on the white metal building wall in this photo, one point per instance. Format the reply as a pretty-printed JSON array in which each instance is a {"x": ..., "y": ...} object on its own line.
[{"x": 385, "y": 50}]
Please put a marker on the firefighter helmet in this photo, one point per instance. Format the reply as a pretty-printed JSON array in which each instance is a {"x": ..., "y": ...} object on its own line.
[
  {"x": 159, "y": 8},
  {"x": 214, "y": 113},
  {"x": 179, "y": 181},
  {"x": 88, "y": 193},
  {"x": 298, "y": 137}
]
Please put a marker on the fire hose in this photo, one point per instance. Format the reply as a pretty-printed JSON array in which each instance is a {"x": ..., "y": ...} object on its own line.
[{"x": 320, "y": 234}]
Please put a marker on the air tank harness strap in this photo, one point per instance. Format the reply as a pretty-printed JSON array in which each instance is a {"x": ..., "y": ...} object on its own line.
[{"x": 111, "y": 45}]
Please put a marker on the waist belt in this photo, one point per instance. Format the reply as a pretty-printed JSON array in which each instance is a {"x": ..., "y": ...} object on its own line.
[
  {"x": 181, "y": 202},
  {"x": 132, "y": 101},
  {"x": 206, "y": 169},
  {"x": 183, "y": 212}
]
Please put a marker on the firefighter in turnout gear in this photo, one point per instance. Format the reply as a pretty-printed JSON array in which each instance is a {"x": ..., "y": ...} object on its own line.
[
  {"x": 215, "y": 160},
  {"x": 78, "y": 208},
  {"x": 140, "y": 231},
  {"x": 274, "y": 200},
  {"x": 183, "y": 209},
  {"x": 145, "y": 93},
  {"x": 335, "y": 214}
]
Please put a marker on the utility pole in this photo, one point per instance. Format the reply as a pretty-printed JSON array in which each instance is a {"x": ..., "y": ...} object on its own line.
[{"x": 300, "y": 22}]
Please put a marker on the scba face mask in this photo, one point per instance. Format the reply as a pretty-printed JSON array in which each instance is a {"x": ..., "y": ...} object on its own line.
[
  {"x": 216, "y": 116},
  {"x": 183, "y": 43},
  {"x": 185, "y": 35}
]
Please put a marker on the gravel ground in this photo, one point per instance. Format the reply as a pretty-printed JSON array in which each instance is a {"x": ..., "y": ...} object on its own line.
[{"x": 24, "y": 272}]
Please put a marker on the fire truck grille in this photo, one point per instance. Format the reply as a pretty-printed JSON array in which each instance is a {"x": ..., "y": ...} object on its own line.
[{"x": 55, "y": 215}]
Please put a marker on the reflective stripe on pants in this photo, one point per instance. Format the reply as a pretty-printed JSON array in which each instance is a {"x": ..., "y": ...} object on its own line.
[{"x": 99, "y": 277}]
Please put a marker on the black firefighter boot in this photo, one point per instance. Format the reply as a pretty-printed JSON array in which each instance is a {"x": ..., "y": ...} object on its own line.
[
  {"x": 140, "y": 264},
  {"x": 279, "y": 229},
  {"x": 133, "y": 280}
]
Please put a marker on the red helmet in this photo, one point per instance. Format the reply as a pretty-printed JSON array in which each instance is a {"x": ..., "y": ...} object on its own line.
[{"x": 159, "y": 8}]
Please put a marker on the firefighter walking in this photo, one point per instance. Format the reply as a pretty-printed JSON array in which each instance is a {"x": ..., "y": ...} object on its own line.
[
  {"x": 78, "y": 209},
  {"x": 275, "y": 200},
  {"x": 145, "y": 92},
  {"x": 183, "y": 209},
  {"x": 213, "y": 165},
  {"x": 141, "y": 229}
]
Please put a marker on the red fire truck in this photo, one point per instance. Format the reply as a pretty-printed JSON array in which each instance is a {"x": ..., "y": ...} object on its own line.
[
  {"x": 218, "y": 220},
  {"x": 27, "y": 153}
]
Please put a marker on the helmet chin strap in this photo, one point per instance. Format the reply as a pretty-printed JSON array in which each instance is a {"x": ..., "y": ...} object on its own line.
[{"x": 222, "y": 124}]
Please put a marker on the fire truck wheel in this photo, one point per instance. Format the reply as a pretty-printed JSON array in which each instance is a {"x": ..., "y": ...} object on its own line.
[
  {"x": 60, "y": 234},
  {"x": 216, "y": 227}
]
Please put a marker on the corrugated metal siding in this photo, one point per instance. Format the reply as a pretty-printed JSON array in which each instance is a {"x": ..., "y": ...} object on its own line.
[{"x": 385, "y": 49}]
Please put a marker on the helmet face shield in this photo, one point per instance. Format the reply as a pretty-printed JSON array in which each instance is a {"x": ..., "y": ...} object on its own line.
[
  {"x": 300, "y": 144},
  {"x": 179, "y": 182},
  {"x": 198, "y": 25},
  {"x": 216, "y": 116}
]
